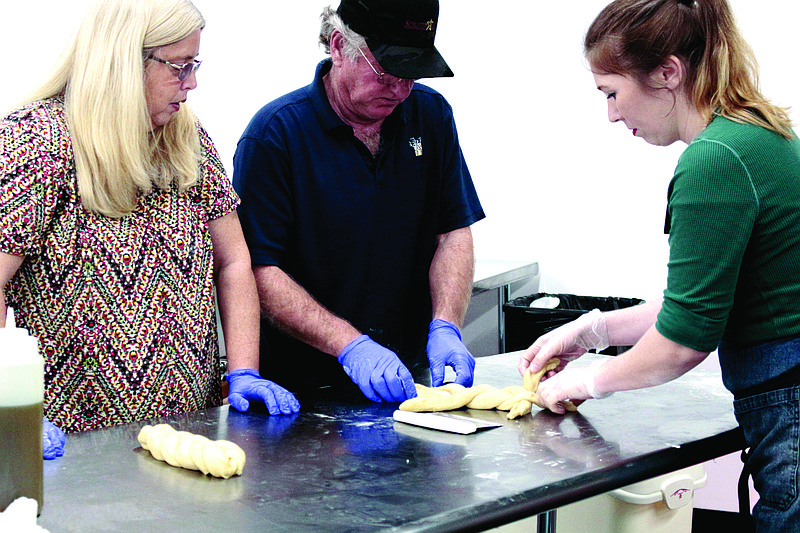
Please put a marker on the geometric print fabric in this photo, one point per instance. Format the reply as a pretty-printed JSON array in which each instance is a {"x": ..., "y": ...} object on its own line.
[{"x": 123, "y": 308}]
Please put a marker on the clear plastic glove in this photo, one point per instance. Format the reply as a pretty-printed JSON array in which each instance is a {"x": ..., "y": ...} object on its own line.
[
  {"x": 377, "y": 371},
  {"x": 568, "y": 342},
  {"x": 574, "y": 384},
  {"x": 52, "y": 440},
  {"x": 446, "y": 349},
  {"x": 246, "y": 385}
]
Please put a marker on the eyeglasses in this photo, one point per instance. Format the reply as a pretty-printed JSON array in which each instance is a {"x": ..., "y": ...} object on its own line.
[
  {"x": 183, "y": 70},
  {"x": 383, "y": 78}
]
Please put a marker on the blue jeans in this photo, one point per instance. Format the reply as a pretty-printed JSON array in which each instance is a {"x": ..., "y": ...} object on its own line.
[{"x": 771, "y": 425}]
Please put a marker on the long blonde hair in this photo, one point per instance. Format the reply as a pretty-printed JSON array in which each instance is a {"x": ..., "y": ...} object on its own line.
[
  {"x": 634, "y": 37},
  {"x": 118, "y": 153}
]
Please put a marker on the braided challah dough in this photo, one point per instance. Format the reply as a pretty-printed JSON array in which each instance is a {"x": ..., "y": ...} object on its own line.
[
  {"x": 518, "y": 401},
  {"x": 220, "y": 458}
]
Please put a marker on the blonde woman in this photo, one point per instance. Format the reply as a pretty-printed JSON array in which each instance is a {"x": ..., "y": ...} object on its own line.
[{"x": 117, "y": 223}]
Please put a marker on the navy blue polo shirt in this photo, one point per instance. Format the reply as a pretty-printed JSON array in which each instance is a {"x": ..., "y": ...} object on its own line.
[{"x": 357, "y": 232}]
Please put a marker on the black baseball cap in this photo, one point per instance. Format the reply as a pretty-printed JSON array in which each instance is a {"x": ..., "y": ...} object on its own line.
[{"x": 400, "y": 35}]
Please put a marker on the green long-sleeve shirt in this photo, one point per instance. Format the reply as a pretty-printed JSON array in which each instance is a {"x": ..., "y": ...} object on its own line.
[{"x": 733, "y": 220}]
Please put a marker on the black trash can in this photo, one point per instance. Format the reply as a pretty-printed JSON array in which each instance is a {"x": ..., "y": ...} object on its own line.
[{"x": 524, "y": 324}]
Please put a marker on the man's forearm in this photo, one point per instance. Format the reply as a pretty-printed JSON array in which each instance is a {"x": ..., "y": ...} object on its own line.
[
  {"x": 292, "y": 309},
  {"x": 451, "y": 275}
]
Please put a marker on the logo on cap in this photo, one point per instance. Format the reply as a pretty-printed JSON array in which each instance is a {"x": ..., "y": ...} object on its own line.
[{"x": 424, "y": 26}]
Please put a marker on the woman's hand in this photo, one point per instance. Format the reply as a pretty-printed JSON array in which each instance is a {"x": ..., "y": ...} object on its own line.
[
  {"x": 574, "y": 384},
  {"x": 568, "y": 342}
]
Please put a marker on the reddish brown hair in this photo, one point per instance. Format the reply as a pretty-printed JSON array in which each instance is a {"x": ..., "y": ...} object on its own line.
[{"x": 635, "y": 37}]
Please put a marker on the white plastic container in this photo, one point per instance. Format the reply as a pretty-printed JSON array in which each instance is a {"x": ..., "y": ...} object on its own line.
[
  {"x": 21, "y": 412},
  {"x": 661, "y": 504}
]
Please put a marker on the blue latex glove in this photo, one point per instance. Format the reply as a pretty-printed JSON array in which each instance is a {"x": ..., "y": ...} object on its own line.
[
  {"x": 377, "y": 371},
  {"x": 52, "y": 440},
  {"x": 246, "y": 385},
  {"x": 446, "y": 349}
]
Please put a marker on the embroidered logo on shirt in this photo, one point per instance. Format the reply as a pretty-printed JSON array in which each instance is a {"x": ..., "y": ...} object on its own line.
[{"x": 416, "y": 144}]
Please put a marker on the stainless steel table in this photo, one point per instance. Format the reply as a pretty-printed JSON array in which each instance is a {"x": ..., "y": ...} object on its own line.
[{"x": 340, "y": 467}]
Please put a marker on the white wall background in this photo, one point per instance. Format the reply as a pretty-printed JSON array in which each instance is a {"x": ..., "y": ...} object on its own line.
[{"x": 559, "y": 184}]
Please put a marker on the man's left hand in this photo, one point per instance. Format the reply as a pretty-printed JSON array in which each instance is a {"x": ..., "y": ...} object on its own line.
[{"x": 446, "y": 349}]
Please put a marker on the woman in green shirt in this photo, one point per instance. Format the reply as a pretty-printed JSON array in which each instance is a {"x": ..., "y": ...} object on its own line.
[{"x": 680, "y": 71}]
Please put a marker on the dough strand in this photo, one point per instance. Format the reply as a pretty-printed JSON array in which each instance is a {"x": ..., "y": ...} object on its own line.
[
  {"x": 219, "y": 458},
  {"x": 518, "y": 401}
]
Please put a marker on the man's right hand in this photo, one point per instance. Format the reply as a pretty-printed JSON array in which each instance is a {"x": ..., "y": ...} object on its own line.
[{"x": 377, "y": 371}]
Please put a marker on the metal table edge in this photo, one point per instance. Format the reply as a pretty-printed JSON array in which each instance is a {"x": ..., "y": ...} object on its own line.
[
  {"x": 504, "y": 278},
  {"x": 494, "y": 514}
]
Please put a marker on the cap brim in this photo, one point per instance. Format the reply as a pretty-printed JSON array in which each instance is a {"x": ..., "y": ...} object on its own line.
[{"x": 409, "y": 62}]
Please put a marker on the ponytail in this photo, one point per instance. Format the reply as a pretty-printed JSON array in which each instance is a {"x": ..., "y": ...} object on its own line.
[{"x": 727, "y": 78}]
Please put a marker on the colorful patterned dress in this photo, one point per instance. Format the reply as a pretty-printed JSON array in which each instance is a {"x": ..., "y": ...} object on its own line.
[{"x": 123, "y": 308}]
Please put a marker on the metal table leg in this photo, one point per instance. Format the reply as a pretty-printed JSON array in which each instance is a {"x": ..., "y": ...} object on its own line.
[
  {"x": 546, "y": 522},
  {"x": 503, "y": 296}
]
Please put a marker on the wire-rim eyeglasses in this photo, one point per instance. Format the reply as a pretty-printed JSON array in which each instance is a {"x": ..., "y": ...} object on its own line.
[
  {"x": 184, "y": 70},
  {"x": 381, "y": 76}
]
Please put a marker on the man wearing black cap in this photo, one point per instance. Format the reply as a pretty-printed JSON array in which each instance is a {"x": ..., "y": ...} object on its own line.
[{"x": 357, "y": 205}]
